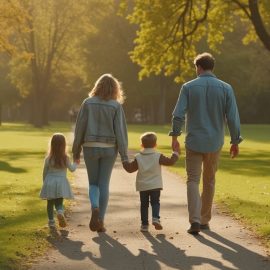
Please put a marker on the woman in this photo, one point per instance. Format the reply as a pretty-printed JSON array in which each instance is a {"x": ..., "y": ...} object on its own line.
[{"x": 101, "y": 131}]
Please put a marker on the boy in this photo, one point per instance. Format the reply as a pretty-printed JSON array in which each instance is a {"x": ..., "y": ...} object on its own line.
[{"x": 149, "y": 179}]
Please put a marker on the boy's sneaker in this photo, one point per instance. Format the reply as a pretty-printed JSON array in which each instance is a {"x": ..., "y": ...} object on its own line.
[
  {"x": 144, "y": 228},
  {"x": 156, "y": 223},
  {"x": 61, "y": 219}
]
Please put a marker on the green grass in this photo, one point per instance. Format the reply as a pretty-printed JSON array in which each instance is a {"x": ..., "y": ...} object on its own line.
[
  {"x": 22, "y": 213},
  {"x": 243, "y": 184}
]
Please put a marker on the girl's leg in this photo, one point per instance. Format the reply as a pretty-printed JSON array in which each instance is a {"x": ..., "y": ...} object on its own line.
[
  {"x": 105, "y": 171},
  {"x": 60, "y": 212},
  {"x": 59, "y": 205},
  {"x": 50, "y": 206}
]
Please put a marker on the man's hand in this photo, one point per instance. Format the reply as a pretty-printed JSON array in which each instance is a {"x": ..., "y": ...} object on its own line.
[
  {"x": 176, "y": 145},
  {"x": 234, "y": 151}
]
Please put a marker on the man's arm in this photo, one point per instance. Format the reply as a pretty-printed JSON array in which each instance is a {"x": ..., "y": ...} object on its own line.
[
  {"x": 233, "y": 122},
  {"x": 178, "y": 120}
]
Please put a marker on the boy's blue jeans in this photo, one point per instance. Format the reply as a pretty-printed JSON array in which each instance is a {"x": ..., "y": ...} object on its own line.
[
  {"x": 154, "y": 196},
  {"x": 99, "y": 164}
]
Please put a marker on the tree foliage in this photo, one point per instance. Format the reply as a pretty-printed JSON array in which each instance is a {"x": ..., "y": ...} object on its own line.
[
  {"x": 12, "y": 17},
  {"x": 52, "y": 44},
  {"x": 170, "y": 31}
]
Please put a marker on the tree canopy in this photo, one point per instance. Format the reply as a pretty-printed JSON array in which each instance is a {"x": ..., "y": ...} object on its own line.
[{"x": 170, "y": 31}]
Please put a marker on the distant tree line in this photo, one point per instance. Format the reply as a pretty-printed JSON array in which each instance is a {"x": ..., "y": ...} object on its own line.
[{"x": 55, "y": 50}]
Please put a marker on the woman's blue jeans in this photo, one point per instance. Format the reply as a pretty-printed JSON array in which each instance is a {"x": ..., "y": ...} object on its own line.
[{"x": 99, "y": 164}]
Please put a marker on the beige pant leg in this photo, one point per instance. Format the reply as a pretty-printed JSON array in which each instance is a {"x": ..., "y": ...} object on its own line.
[
  {"x": 194, "y": 169},
  {"x": 210, "y": 165}
]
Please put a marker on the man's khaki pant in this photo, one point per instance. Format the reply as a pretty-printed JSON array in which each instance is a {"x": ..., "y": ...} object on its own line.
[{"x": 200, "y": 207}]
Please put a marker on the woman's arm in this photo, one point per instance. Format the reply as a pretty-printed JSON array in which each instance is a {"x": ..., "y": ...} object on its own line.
[
  {"x": 80, "y": 127},
  {"x": 120, "y": 128}
]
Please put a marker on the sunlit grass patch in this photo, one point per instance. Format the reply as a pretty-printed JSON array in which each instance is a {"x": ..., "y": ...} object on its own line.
[{"x": 22, "y": 214}]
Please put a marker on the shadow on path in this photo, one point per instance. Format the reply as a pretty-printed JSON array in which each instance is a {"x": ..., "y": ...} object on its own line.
[
  {"x": 237, "y": 255},
  {"x": 115, "y": 256},
  {"x": 69, "y": 248},
  {"x": 176, "y": 258}
]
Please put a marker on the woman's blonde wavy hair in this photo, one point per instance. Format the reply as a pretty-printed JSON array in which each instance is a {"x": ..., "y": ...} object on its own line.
[{"x": 107, "y": 87}]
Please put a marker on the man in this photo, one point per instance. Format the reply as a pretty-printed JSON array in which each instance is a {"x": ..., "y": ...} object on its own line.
[{"x": 205, "y": 104}]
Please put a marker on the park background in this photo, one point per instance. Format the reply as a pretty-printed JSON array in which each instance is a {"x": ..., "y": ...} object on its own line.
[{"x": 52, "y": 52}]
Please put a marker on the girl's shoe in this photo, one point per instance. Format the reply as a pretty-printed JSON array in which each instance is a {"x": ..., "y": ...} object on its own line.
[
  {"x": 51, "y": 224},
  {"x": 94, "y": 224},
  {"x": 144, "y": 228},
  {"x": 157, "y": 224},
  {"x": 61, "y": 220}
]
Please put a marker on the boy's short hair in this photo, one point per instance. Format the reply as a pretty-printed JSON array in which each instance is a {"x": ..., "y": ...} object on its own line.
[
  {"x": 149, "y": 139},
  {"x": 205, "y": 60}
]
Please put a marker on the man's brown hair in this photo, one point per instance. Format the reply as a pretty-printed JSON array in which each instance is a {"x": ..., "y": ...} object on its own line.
[
  {"x": 149, "y": 139},
  {"x": 205, "y": 60}
]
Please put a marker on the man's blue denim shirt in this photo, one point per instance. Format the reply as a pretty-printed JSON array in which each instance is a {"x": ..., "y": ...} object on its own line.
[{"x": 206, "y": 104}]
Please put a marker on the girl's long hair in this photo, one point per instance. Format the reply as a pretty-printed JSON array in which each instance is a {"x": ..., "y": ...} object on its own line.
[
  {"x": 107, "y": 87},
  {"x": 57, "y": 152}
]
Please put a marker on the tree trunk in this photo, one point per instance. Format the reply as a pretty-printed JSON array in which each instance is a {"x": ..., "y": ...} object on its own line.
[
  {"x": 161, "y": 105},
  {"x": 45, "y": 112},
  {"x": 0, "y": 114},
  {"x": 37, "y": 110},
  {"x": 259, "y": 26}
]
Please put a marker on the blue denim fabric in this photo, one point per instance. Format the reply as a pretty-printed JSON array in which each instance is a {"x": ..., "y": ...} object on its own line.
[
  {"x": 99, "y": 164},
  {"x": 101, "y": 121},
  {"x": 154, "y": 196},
  {"x": 206, "y": 104}
]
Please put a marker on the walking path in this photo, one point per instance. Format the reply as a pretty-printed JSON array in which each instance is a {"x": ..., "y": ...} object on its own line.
[{"x": 227, "y": 246}]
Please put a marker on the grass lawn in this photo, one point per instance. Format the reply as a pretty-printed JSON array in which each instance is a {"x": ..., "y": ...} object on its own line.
[
  {"x": 22, "y": 213},
  {"x": 243, "y": 184}
]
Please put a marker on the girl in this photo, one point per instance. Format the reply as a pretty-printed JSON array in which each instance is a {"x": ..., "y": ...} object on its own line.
[
  {"x": 101, "y": 131},
  {"x": 55, "y": 184}
]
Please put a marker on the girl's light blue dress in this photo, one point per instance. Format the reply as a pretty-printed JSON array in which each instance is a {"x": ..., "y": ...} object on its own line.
[{"x": 55, "y": 182}]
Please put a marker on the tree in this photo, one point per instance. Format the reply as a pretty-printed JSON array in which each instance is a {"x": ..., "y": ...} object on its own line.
[
  {"x": 170, "y": 31},
  {"x": 8, "y": 93},
  {"x": 55, "y": 32},
  {"x": 12, "y": 16},
  {"x": 107, "y": 52}
]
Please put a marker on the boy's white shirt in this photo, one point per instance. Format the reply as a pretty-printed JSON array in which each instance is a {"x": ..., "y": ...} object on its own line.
[{"x": 149, "y": 170}]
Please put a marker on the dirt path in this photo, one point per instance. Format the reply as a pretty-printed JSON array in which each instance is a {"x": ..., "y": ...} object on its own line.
[{"x": 227, "y": 246}]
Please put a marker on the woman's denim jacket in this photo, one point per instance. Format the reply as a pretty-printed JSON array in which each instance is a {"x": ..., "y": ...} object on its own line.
[{"x": 101, "y": 121}]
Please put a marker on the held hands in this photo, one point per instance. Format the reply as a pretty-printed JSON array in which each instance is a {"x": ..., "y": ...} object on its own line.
[
  {"x": 234, "y": 151},
  {"x": 77, "y": 161}
]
